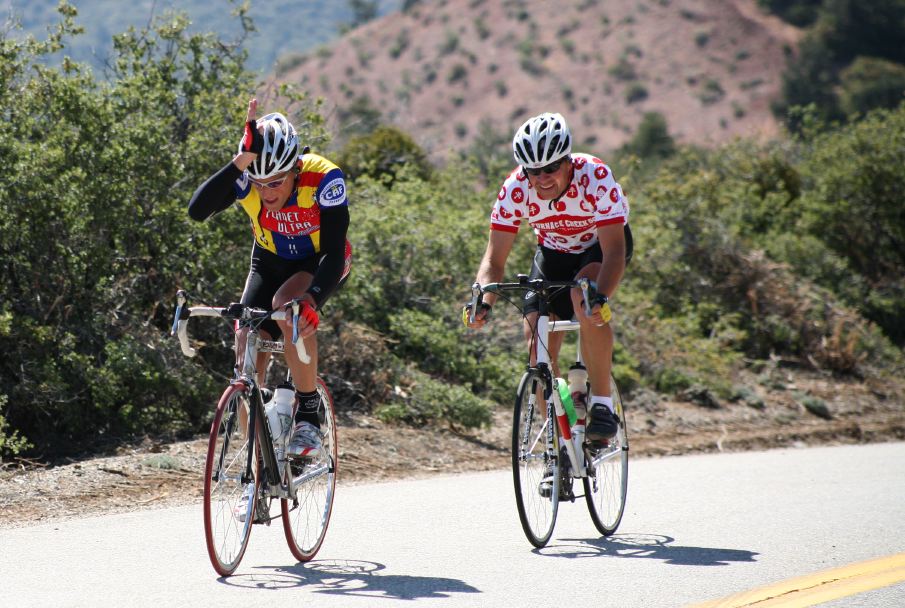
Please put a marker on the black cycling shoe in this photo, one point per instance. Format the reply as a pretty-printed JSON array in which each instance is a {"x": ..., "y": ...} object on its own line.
[{"x": 602, "y": 426}]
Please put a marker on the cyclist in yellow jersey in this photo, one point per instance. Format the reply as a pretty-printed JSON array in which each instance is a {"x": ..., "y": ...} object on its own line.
[{"x": 296, "y": 202}]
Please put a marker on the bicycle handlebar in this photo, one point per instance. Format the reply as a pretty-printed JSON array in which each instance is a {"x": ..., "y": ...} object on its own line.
[
  {"x": 235, "y": 313},
  {"x": 541, "y": 286}
]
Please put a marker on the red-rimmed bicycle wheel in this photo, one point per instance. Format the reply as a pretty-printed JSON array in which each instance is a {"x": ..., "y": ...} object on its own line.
[
  {"x": 227, "y": 518},
  {"x": 307, "y": 514}
]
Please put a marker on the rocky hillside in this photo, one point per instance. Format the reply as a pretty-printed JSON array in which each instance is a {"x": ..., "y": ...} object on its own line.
[{"x": 439, "y": 70}]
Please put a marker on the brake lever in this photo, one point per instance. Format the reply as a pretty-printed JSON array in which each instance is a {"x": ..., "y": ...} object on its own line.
[
  {"x": 299, "y": 344},
  {"x": 475, "y": 301},
  {"x": 180, "y": 302},
  {"x": 584, "y": 283}
]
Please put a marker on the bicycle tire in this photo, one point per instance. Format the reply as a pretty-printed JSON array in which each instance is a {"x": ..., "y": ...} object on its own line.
[
  {"x": 532, "y": 452},
  {"x": 307, "y": 515},
  {"x": 606, "y": 486},
  {"x": 226, "y": 531}
]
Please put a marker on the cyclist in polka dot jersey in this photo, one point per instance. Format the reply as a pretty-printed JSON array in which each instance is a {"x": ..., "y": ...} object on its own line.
[{"x": 579, "y": 215}]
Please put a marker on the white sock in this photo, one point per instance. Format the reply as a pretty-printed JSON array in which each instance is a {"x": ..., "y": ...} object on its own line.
[{"x": 607, "y": 401}]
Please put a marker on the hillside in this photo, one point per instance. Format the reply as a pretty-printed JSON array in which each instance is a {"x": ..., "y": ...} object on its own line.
[
  {"x": 317, "y": 22},
  {"x": 711, "y": 68}
]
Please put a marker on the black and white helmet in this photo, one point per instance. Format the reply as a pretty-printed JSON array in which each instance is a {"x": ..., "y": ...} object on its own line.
[
  {"x": 542, "y": 140},
  {"x": 281, "y": 147}
]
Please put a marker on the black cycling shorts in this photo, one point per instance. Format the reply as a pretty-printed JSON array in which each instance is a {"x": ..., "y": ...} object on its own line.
[
  {"x": 561, "y": 266},
  {"x": 267, "y": 274}
]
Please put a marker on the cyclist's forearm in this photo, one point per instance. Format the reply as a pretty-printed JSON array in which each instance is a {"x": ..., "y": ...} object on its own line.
[
  {"x": 611, "y": 271},
  {"x": 215, "y": 194},
  {"x": 334, "y": 226},
  {"x": 490, "y": 273},
  {"x": 493, "y": 264}
]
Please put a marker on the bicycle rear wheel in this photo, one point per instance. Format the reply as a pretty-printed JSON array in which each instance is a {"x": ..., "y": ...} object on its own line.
[
  {"x": 307, "y": 515},
  {"x": 532, "y": 452},
  {"x": 606, "y": 485},
  {"x": 226, "y": 477}
]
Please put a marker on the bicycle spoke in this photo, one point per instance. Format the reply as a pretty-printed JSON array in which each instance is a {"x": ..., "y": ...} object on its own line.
[
  {"x": 227, "y": 528},
  {"x": 537, "y": 503},
  {"x": 307, "y": 515},
  {"x": 607, "y": 481}
]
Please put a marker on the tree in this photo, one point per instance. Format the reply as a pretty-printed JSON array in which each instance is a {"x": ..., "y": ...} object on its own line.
[
  {"x": 383, "y": 152},
  {"x": 870, "y": 83},
  {"x": 652, "y": 139},
  {"x": 362, "y": 12}
]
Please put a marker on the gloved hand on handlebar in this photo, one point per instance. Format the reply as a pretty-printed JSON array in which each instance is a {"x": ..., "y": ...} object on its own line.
[
  {"x": 601, "y": 314},
  {"x": 308, "y": 317},
  {"x": 481, "y": 316}
]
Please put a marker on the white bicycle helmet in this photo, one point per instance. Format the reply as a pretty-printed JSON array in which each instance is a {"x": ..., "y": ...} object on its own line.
[
  {"x": 542, "y": 140},
  {"x": 281, "y": 147}
]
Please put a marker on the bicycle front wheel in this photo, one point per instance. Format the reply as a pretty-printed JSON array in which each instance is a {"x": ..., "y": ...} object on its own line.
[
  {"x": 227, "y": 517},
  {"x": 306, "y": 514},
  {"x": 606, "y": 485},
  {"x": 535, "y": 473}
]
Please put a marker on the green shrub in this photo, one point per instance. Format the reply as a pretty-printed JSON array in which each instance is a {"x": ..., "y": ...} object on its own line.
[
  {"x": 652, "y": 139},
  {"x": 434, "y": 402},
  {"x": 870, "y": 83},
  {"x": 383, "y": 153}
]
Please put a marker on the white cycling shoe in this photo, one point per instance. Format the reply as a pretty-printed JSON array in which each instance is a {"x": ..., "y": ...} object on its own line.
[
  {"x": 306, "y": 441},
  {"x": 241, "y": 509}
]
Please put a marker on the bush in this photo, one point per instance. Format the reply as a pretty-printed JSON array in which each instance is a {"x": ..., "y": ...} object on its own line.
[
  {"x": 870, "y": 83},
  {"x": 652, "y": 139},
  {"x": 853, "y": 204},
  {"x": 382, "y": 153},
  {"x": 439, "y": 403}
]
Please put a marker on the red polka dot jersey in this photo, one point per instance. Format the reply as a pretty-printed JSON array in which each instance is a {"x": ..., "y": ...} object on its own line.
[{"x": 569, "y": 223}]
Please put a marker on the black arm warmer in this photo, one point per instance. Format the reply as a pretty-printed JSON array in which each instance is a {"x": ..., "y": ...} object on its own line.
[
  {"x": 216, "y": 194},
  {"x": 334, "y": 224}
]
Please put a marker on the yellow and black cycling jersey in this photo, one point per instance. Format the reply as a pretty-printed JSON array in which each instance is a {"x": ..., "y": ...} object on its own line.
[{"x": 294, "y": 232}]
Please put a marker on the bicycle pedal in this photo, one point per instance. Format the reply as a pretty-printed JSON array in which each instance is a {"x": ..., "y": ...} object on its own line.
[
  {"x": 565, "y": 493},
  {"x": 262, "y": 513}
]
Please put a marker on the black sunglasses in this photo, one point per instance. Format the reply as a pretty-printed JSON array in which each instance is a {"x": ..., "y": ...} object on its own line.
[{"x": 551, "y": 168}]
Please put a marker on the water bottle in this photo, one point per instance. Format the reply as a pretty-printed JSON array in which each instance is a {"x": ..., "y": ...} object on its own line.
[
  {"x": 578, "y": 436},
  {"x": 279, "y": 413},
  {"x": 566, "y": 397},
  {"x": 578, "y": 387}
]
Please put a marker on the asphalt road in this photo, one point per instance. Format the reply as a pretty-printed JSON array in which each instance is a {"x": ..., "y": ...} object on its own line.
[{"x": 696, "y": 528}]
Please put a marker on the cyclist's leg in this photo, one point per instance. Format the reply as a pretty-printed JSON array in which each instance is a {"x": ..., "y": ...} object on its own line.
[
  {"x": 597, "y": 350},
  {"x": 597, "y": 340},
  {"x": 541, "y": 268},
  {"x": 294, "y": 286},
  {"x": 555, "y": 341},
  {"x": 265, "y": 276},
  {"x": 303, "y": 375}
]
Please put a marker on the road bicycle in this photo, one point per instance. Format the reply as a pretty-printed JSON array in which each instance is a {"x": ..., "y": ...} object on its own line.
[
  {"x": 542, "y": 440},
  {"x": 243, "y": 452}
]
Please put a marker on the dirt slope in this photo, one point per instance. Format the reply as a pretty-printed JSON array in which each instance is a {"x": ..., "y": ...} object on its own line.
[
  {"x": 711, "y": 67},
  {"x": 154, "y": 473}
]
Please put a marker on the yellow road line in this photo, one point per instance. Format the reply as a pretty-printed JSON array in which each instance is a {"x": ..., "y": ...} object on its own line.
[{"x": 820, "y": 587}]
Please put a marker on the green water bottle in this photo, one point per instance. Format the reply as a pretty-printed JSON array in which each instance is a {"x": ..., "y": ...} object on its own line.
[{"x": 566, "y": 397}]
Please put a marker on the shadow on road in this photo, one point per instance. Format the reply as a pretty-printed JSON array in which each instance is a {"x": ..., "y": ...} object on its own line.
[
  {"x": 351, "y": 577},
  {"x": 646, "y": 546}
]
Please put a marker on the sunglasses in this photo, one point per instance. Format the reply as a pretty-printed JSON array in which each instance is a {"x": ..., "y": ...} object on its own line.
[
  {"x": 551, "y": 168},
  {"x": 272, "y": 184}
]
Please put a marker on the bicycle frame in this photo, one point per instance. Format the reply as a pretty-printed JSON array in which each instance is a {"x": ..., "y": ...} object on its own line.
[
  {"x": 544, "y": 368},
  {"x": 254, "y": 344}
]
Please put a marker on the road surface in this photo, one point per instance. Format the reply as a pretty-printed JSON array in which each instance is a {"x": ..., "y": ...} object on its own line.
[{"x": 696, "y": 529}]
